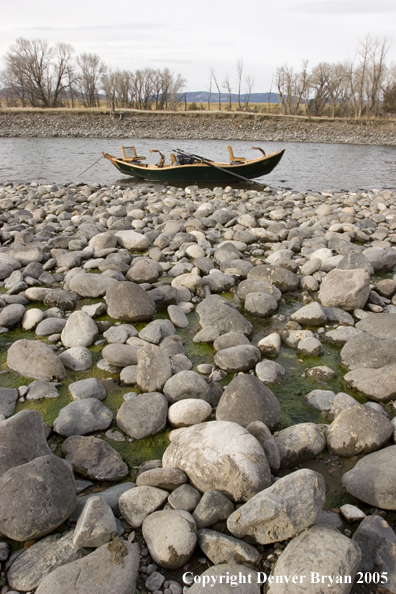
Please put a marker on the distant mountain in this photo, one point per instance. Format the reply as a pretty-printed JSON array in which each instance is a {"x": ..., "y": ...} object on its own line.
[{"x": 202, "y": 97}]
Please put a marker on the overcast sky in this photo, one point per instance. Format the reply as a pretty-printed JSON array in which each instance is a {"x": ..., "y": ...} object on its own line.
[{"x": 190, "y": 36}]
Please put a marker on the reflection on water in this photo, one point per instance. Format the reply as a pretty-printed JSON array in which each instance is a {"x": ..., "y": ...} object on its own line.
[{"x": 304, "y": 167}]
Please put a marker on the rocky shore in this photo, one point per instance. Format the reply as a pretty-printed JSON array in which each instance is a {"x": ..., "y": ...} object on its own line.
[
  {"x": 197, "y": 387},
  {"x": 193, "y": 125}
]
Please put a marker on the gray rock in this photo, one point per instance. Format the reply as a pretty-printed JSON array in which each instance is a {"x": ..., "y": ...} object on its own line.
[
  {"x": 153, "y": 368},
  {"x": 376, "y": 384},
  {"x": 263, "y": 435},
  {"x": 270, "y": 372},
  {"x": 129, "y": 302},
  {"x": 91, "y": 285},
  {"x": 34, "y": 359},
  {"x": 177, "y": 316},
  {"x": 207, "y": 334},
  {"x": 40, "y": 559},
  {"x": 312, "y": 314},
  {"x": 351, "y": 513},
  {"x": 220, "y": 548},
  {"x": 155, "y": 581},
  {"x": 320, "y": 399},
  {"x": 144, "y": 415},
  {"x": 213, "y": 507},
  {"x": 377, "y": 541},
  {"x": 282, "y": 511},
  {"x": 310, "y": 347},
  {"x": 283, "y": 279},
  {"x": 207, "y": 452},
  {"x": 76, "y": 358},
  {"x": 218, "y": 574},
  {"x": 80, "y": 330},
  {"x": 87, "y": 388},
  {"x": 138, "y": 503},
  {"x": 245, "y": 400},
  {"x": 270, "y": 345},
  {"x": 163, "y": 478},
  {"x": 341, "y": 335},
  {"x": 369, "y": 351},
  {"x": 65, "y": 300},
  {"x": 373, "y": 479},
  {"x": 299, "y": 443},
  {"x": 358, "y": 430},
  {"x": 379, "y": 325},
  {"x": 257, "y": 286},
  {"x": 229, "y": 340},
  {"x": 189, "y": 411},
  {"x": 11, "y": 314},
  {"x": 157, "y": 330},
  {"x": 96, "y": 526},
  {"x": 144, "y": 271},
  {"x": 22, "y": 491},
  {"x": 238, "y": 358},
  {"x": 94, "y": 458},
  {"x": 121, "y": 355},
  {"x": 112, "y": 567},
  {"x": 260, "y": 305},
  {"x": 8, "y": 398},
  {"x": 22, "y": 439},
  {"x": 216, "y": 311},
  {"x": 31, "y": 318},
  {"x": 185, "y": 385},
  {"x": 81, "y": 417},
  {"x": 50, "y": 326},
  {"x": 170, "y": 537},
  {"x": 345, "y": 289},
  {"x": 319, "y": 551},
  {"x": 132, "y": 240},
  {"x": 40, "y": 389},
  {"x": 128, "y": 375},
  {"x": 110, "y": 495},
  {"x": 185, "y": 497}
]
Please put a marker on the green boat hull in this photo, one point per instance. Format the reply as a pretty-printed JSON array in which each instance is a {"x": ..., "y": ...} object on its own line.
[{"x": 198, "y": 172}]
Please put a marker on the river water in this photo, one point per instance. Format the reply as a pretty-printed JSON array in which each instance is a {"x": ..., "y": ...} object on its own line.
[{"x": 304, "y": 167}]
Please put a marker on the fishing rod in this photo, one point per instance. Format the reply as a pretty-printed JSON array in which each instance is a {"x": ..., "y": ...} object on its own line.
[
  {"x": 211, "y": 164},
  {"x": 90, "y": 166}
]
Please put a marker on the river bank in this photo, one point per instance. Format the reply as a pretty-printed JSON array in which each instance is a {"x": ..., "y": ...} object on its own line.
[
  {"x": 193, "y": 125},
  {"x": 224, "y": 351}
]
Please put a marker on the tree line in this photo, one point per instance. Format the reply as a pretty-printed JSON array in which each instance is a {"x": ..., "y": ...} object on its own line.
[
  {"x": 362, "y": 86},
  {"x": 39, "y": 75}
]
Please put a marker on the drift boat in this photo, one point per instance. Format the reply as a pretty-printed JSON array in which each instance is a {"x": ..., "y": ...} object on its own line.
[{"x": 191, "y": 168}]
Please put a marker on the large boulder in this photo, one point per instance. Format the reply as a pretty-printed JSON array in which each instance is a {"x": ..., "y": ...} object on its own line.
[
  {"x": 137, "y": 503},
  {"x": 222, "y": 456},
  {"x": 81, "y": 417},
  {"x": 34, "y": 359},
  {"x": 283, "y": 279},
  {"x": 185, "y": 385},
  {"x": 8, "y": 398},
  {"x": 366, "y": 350},
  {"x": 171, "y": 536},
  {"x": 22, "y": 439},
  {"x": 112, "y": 567},
  {"x": 91, "y": 285},
  {"x": 143, "y": 415},
  {"x": 376, "y": 384},
  {"x": 238, "y": 358},
  {"x": 128, "y": 302},
  {"x": 217, "y": 312},
  {"x": 299, "y": 443},
  {"x": 282, "y": 511},
  {"x": 373, "y": 479},
  {"x": 346, "y": 289},
  {"x": 36, "y": 497},
  {"x": 94, "y": 458},
  {"x": 40, "y": 559},
  {"x": 80, "y": 330},
  {"x": 320, "y": 553},
  {"x": 358, "y": 430},
  {"x": 381, "y": 325},
  {"x": 132, "y": 240},
  {"x": 153, "y": 368},
  {"x": 245, "y": 400}
]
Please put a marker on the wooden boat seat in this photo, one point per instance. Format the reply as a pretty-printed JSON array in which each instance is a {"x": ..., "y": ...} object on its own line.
[
  {"x": 173, "y": 159},
  {"x": 235, "y": 159},
  {"x": 132, "y": 159}
]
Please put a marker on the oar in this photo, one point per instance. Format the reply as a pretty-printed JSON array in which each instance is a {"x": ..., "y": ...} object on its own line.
[{"x": 208, "y": 162}]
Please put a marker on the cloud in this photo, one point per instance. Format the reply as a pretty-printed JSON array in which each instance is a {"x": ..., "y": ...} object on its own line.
[
  {"x": 107, "y": 28},
  {"x": 343, "y": 7}
]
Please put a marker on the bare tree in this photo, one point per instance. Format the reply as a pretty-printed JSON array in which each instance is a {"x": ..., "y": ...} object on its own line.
[
  {"x": 249, "y": 80},
  {"x": 210, "y": 77},
  {"x": 217, "y": 86},
  {"x": 239, "y": 69},
  {"x": 227, "y": 86},
  {"x": 37, "y": 73},
  {"x": 92, "y": 68}
]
